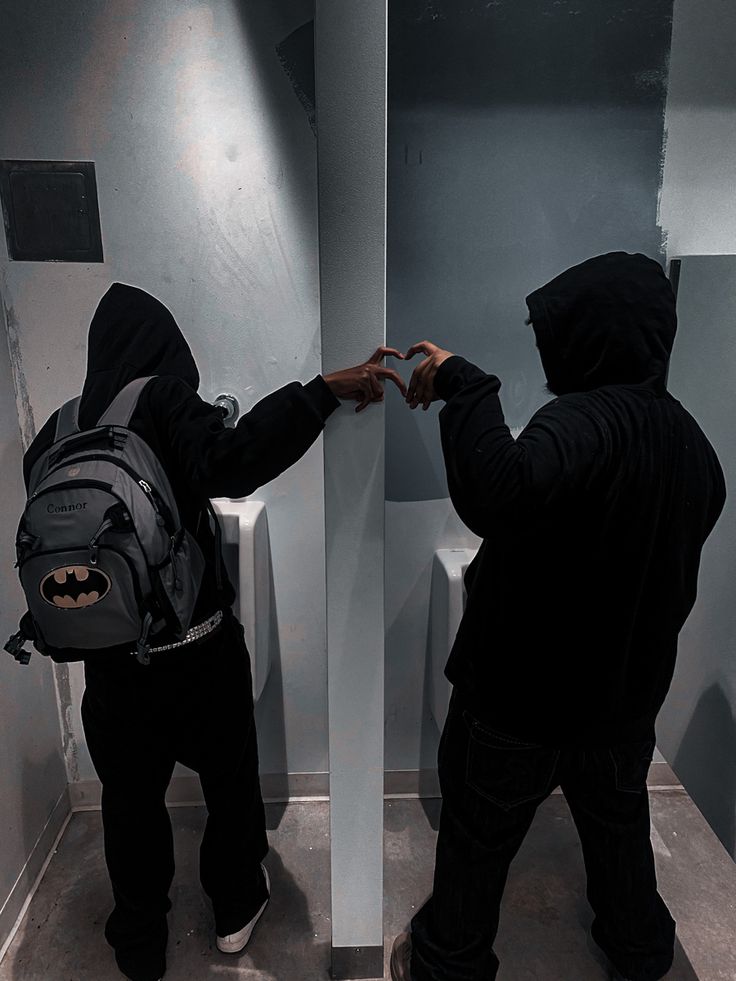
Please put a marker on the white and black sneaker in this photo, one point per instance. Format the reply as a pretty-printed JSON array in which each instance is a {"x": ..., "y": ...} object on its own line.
[{"x": 233, "y": 943}]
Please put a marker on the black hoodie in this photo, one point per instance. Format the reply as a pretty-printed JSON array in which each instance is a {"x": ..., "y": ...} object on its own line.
[
  {"x": 133, "y": 335},
  {"x": 592, "y": 521}
]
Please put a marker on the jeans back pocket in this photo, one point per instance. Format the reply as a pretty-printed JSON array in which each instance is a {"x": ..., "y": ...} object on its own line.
[
  {"x": 631, "y": 762},
  {"x": 505, "y": 770}
]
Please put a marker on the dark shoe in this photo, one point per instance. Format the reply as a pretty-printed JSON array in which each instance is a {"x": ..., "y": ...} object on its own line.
[
  {"x": 137, "y": 972},
  {"x": 401, "y": 958},
  {"x": 140, "y": 952},
  {"x": 600, "y": 955},
  {"x": 136, "y": 975},
  {"x": 141, "y": 976}
]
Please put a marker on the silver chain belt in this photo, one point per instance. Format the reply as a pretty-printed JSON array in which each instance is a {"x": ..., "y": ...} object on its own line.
[{"x": 194, "y": 633}]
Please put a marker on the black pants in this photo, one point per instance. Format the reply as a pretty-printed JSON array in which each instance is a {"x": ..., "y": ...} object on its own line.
[
  {"x": 193, "y": 705},
  {"x": 491, "y": 788}
]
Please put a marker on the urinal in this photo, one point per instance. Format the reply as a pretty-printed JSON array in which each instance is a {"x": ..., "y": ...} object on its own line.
[
  {"x": 247, "y": 552},
  {"x": 447, "y": 603}
]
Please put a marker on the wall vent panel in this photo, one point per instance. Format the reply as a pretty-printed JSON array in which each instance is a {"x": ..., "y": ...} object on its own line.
[{"x": 50, "y": 211}]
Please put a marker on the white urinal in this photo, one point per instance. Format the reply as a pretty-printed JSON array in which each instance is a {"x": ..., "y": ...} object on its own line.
[
  {"x": 447, "y": 602},
  {"x": 247, "y": 551}
]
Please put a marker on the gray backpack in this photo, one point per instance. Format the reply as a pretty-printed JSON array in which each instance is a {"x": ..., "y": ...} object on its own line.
[{"x": 102, "y": 555}]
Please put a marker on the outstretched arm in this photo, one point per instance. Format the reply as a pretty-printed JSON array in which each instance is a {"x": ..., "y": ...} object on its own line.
[{"x": 233, "y": 462}]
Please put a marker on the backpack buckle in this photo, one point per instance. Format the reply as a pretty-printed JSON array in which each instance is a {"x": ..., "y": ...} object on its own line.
[
  {"x": 143, "y": 653},
  {"x": 142, "y": 647},
  {"x": 16, "y": 648}
]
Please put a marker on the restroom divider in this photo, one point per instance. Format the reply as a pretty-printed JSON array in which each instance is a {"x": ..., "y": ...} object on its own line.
[{"x": 350, "y": 76}]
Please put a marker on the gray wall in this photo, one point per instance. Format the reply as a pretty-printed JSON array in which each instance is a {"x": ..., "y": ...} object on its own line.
[
  {"x": 697, "y": 727},
  {"x": 698, "y": 215},
  {"x": 698, "y": 206},
  {"x": 33, "y": 800},
  {"x": 206, "y": 168},
  {"x": 522, "y": 138},
  {"x": 207, "y": 181}
]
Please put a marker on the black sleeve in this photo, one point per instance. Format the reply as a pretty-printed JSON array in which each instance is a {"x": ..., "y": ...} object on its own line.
[
  {"x": 219, "y": 461},
  {"x": 493, "y": 477}
]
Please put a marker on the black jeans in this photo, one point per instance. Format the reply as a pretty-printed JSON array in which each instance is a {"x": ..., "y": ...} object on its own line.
[
  {"x": 193, "y": 705},
  {"x": 491, "y": 786}
]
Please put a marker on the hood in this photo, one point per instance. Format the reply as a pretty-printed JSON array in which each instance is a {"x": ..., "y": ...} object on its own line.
[
  {"x": 609, "y": 321},
  {"x": 132, "y": 335}
]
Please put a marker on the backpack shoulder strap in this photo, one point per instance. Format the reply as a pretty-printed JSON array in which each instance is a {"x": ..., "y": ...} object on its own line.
[
  {"x": 121, "y": 408},
  {"x": 218, "y": 543},
  {"x": 67, "y": 421}
]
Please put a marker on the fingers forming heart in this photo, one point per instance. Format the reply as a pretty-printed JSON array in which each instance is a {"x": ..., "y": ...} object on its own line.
[{"x": 384, "y": 352}]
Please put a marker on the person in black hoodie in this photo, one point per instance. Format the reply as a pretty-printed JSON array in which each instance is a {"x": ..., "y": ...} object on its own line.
[
  {"x": 193, "y": 703},
  {"x": 592, "y": 522}
]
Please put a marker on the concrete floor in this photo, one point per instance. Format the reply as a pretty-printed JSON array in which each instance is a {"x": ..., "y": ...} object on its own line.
[{"x": 542, "y": 932}]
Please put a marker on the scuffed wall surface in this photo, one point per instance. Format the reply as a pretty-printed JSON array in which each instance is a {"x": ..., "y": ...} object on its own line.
[
  {"x": 26, "y": 420},
  {"x": 32, "y": 773},
  {"x": 698, "y": 204},
  {"x": 206, "y": 170},
  {"x": 522, "y": 138}
]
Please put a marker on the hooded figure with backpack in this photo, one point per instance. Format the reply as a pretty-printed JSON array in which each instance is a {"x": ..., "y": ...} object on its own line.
[
  {"x": 592, "y": 522},
  {"x": 119, "y": 557}
]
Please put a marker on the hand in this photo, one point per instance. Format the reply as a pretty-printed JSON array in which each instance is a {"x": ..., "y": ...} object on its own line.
[
  {"x": 364, "y": 382},
  {"x": 421, "y": 386}
]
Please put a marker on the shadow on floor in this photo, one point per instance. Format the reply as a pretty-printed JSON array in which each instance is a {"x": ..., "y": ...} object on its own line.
[
  {"x": 61, "y": 938},
  {"x": 541, "y": 937},
  {"x": 545, "y": 914}
]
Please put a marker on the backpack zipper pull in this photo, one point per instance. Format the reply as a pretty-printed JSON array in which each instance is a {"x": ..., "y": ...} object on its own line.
[
  {"x": 93, "y": 548},
  {"x": 24, "y": 543},
  {"x": 148, "y": 491}
]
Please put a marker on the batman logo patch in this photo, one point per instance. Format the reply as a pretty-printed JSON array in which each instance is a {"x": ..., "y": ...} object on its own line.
[{"x": 73, "y": 587}]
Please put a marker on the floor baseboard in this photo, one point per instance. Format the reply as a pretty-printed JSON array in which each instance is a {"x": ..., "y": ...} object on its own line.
[
  {"x": 281, "y": 788},
  {"x": 186, "y": 791},
  {"x": 14, "y": 908}
]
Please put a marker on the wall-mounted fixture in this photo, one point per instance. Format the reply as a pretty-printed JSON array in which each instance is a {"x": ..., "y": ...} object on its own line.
[
  {"x": 230, "y": 408},
  {"x": 247, "y": 553},
  {"x": 447, "y": 605},
  {"x": 50, "y": 210}
]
